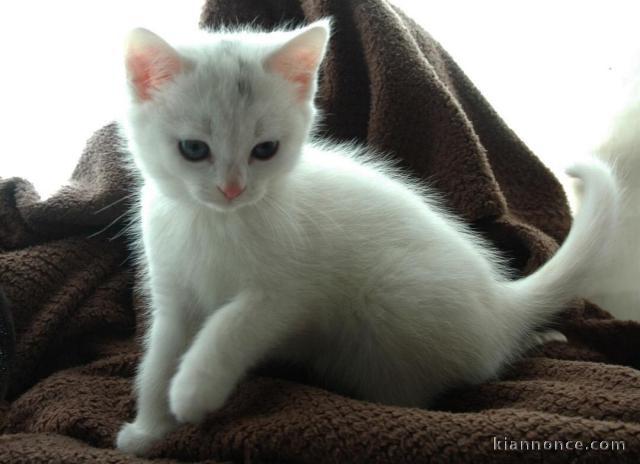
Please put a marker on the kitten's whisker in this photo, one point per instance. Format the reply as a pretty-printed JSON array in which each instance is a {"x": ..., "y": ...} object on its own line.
[
  {"x": 319, "y": 228},
  {"x": 127, "y": 228},
  {"x": 286, "y": 231},
  {"x": 105, "y": 228},
  {"x": 291, "y": 220},
  {"x": 113, "y": 203},
  {"x": 127, "y": 258},
  {"x": 273, "y": 225}
]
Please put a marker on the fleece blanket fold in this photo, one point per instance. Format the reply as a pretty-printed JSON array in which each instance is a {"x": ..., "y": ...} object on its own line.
[{"x": 65, "y": 268}]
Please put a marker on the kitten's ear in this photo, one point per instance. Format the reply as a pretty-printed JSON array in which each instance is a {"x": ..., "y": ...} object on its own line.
[
  {"x": 298, "y": 60},
  {"x": 150, "y": 62}
]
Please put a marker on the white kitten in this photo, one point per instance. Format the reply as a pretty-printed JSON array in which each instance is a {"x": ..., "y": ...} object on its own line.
[
  {"x": 616, "y": 285},
  {"x": 261, "y": 244}
]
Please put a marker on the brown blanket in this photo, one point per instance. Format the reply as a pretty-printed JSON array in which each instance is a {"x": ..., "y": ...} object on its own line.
[{"x": 64, "y": 265}]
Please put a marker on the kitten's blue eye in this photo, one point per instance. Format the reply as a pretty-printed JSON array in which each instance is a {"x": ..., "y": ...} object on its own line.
[
  {"x": 193, "y": 150},
  {"x": 265, "y": 150}
]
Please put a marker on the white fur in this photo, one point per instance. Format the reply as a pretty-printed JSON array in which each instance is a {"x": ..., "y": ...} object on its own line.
[
  {"x": 616, "y": 284},
  {"x": 329, "y": 258}
]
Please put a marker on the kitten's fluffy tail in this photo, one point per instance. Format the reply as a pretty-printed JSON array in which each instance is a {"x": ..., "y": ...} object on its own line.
[
  {"x": 616, "y": 285},
  {"x": 565, "y": 276}
]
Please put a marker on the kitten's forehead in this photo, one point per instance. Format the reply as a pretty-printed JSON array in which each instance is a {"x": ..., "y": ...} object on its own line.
[
  {"x": 229, "y": 81},
  {"x": 243, "y": 79},
  {"x": 231, "y": 67}
]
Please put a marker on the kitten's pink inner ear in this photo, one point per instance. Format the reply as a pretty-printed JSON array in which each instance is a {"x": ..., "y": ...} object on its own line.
[
  {"x": 298, "y": 60},
  {"x": 150, "y": 62}
]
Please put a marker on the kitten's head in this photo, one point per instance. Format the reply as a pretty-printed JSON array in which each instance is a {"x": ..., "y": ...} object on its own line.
[{"x": 221, "y": 123}]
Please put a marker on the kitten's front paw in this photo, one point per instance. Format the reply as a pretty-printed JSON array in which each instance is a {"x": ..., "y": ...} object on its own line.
[
  {"x": 192, "y": 396},
  {"x": 540, "y": 338},
  {"x": 135, "y": 439}
]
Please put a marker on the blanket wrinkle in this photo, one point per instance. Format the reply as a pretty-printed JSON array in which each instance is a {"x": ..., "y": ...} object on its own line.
[{"x": 65, "y": 269}]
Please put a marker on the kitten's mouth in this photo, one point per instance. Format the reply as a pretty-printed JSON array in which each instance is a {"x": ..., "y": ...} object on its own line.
[{"x": 226, "y": 204}]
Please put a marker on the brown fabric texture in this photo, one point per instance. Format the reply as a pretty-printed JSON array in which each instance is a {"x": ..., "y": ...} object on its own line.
[{"x": 65, "y": 267}]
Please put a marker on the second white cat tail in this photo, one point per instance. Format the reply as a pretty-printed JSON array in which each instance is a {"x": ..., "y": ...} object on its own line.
[{"x": 539, "y": 296}]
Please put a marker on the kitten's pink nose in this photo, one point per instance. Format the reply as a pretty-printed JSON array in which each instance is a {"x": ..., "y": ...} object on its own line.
[{"x": 231, "y": 191}]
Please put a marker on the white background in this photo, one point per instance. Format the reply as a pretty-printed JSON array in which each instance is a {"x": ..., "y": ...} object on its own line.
[{"x": 555, "y": 70}]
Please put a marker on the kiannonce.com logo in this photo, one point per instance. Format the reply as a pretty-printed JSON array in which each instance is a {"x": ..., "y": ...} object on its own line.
[{"x": 509, "y": 444}]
